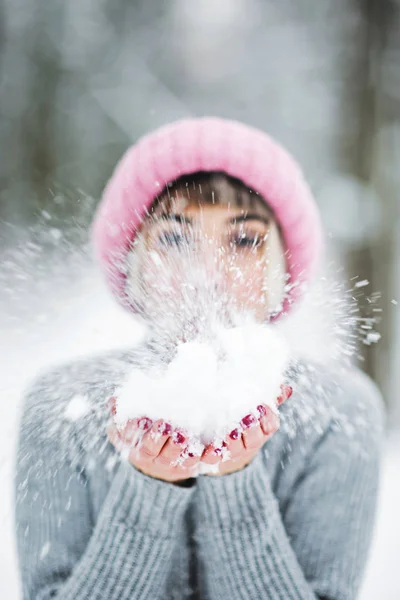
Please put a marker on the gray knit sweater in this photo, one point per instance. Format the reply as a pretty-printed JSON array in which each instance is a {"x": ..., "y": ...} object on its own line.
[{"x": 294, "y": 524}]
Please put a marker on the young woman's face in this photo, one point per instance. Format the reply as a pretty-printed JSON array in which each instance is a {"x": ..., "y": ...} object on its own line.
[{"x": 228, "y": 252}]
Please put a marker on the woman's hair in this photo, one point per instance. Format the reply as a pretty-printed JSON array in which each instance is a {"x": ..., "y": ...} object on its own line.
[{"x": 209, "y": 188}]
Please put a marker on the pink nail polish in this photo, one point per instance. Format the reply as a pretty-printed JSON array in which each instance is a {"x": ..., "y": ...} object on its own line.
[
  {"x": 261, "y": 410},
  {"x": 164, "y": 428},
  {"x": 112, "y": 406},
  {"x": 144, "y": 423},
  {"x": 234, "y": 435},
  {"x": 287, "y": 391},
  {"x": 248, "y": 421},
  {"x": 178, "y": 437}
]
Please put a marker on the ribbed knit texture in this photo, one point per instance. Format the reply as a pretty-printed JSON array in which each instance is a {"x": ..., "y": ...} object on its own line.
[{"x": 295, "y": 523}]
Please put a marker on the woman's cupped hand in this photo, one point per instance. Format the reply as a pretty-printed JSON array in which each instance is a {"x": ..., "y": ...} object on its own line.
[{"x": 162, "y": 452}]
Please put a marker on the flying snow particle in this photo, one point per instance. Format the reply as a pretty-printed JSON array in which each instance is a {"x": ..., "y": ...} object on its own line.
[
  {"x": 372, "y": 337},
  {"x": 45, "y": 550},
  {"x": 155, "y": 257},
  {"x": 77, "y": 408},
  {"x": 56, "y": 234},
  {"x": 360, "y": 284},
  {"x": 111, "y": 462}
]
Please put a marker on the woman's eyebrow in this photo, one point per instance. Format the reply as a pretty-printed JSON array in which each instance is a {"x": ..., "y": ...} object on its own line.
[
  {"x": 178, "y": 218},
  {"x": 249, "y": 217}
]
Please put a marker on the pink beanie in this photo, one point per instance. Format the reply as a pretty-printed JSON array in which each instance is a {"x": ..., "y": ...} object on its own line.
[{"x": 206, "y": 144}]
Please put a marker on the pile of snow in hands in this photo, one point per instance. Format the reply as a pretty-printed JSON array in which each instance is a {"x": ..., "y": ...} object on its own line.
[{"x": 210, "y": 384}]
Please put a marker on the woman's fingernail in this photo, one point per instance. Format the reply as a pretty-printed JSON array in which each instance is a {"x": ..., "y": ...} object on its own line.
[
  {"x": 144, "y": 423},
  {"x": 234, "y": 434},
  {"x": 164, "y": 428},
  {"x": 112, "y": 403},
  {"x": 218, "y": 450},
  {"x": 191, "y": 455},
  {"x": 261, "y": 410},
  {"x": 248, "y": 421},
  {"x": 178, "y": 437},
  {"x": 287, "y": 391}
]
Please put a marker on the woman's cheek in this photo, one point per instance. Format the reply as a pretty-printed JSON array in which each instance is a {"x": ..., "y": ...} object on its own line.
[
  {"x": 247, "y": 285},
  {"x": 168, "y": 288},
  {"x": 161, "y": 281},
  {"x": 242, "y": 282}
]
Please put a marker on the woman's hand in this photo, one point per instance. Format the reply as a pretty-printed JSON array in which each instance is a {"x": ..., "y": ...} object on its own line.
[
  {"x": 244, "y": 444},
  {"x": 158, "y": 451},
  {"x": 155, "y": 449}
]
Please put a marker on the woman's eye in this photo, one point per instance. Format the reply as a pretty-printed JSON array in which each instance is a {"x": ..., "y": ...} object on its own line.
[
  {"x": 171, "y": 239},
  {"x": 247, "y": 241}
]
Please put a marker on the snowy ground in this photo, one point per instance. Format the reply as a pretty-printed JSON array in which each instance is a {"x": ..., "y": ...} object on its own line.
[{"x": 92, "y": 323}]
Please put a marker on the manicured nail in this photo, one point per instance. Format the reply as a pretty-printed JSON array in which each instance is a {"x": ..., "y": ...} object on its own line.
[
  {"x": 261, "y": 410},
  {"x": 112, "y": 403},
  {"x": 164, "y": 428},
  {"x": 144, "y": 423},
  {"x": 248, "y": 421},
  {"x": 178, "y": 438},
  {"x": 287, "y": 391},
  {"x": 234, "y": 434},
  {"x": 218, "y": 451},
  {"x": 191, "y": 455}
]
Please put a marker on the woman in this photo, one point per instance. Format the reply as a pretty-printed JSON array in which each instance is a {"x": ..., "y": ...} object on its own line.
[{"x": 290, "y": 514}]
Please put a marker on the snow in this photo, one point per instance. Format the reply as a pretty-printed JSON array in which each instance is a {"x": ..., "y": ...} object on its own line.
[
  {"x": 45, "y": 550},
  {"x": 372, "y": 337},
  {"x": 77, "y": 408},
  {"x": 211, "y": 384},
  {"x": 56, "y": 234},
  {"x": 155, "y": 257},
  {"x": 360, "y": 284}
]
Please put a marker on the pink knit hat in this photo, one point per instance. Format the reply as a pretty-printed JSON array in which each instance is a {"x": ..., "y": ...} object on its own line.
[{"x": 206, "y": 144}]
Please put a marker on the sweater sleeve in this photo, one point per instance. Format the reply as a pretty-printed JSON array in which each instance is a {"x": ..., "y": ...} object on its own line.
[
  {"x": 62, "y": 553},
  {"x": 316, "y": 545}
]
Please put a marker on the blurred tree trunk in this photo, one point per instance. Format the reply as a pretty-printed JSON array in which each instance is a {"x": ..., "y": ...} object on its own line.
[{"x": 385, "y": 177}]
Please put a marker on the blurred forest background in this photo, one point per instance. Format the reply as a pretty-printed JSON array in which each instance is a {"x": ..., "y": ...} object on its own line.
[{"x": 80, "y": 80}]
